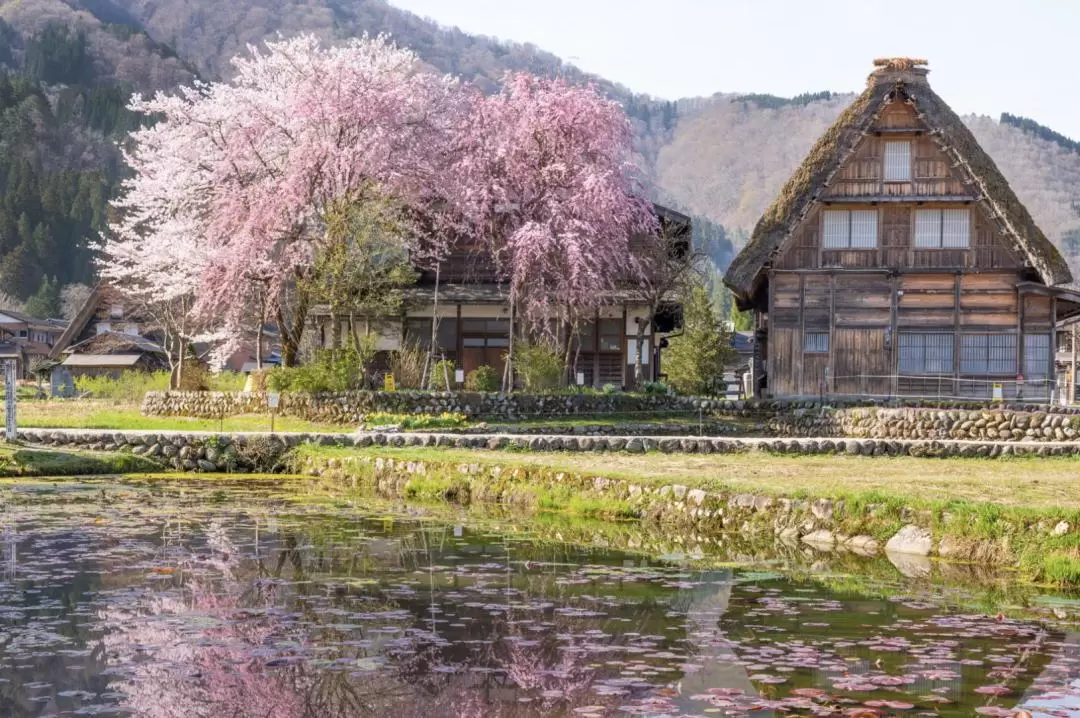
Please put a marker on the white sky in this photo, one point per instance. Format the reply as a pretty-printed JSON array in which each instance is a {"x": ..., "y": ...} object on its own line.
[{"x": 986, "y": 56}]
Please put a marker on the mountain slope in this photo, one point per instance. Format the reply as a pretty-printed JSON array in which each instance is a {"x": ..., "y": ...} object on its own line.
[{"x": 728, "y": 159}]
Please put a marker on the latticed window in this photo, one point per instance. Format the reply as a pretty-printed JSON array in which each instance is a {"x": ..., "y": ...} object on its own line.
[
  {"x": 816, "y": 343},
  {"x": 926, "y": 353},
  {"x": 898, "y": 161},
  {"x": 943, "y": 228},
  {"x": 988, "y": 354},
  {"x": 1036, "y": 356},
  {"x": 850, "y": 229}
]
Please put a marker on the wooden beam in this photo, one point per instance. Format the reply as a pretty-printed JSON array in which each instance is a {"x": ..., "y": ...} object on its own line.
[{"x": 956, "y": 336}]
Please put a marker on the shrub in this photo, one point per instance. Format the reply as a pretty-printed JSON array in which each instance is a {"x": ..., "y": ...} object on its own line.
[
  {"x": 194, "y": 377},
  {"x": 540, "y": 366},
  {"x": 227, "y": 381},
  {"x": 129, "y": 388},
  {"x": 657, "y": 388},
  {"x": 483, "y": 379},
  {"x": 330, "y": 371},
  {"x": 407, "y": 366},
  {"x": 444, "y": 420},
  {"x": 441, "y": 373},
  {"x": 610, "y": 389},
  {"x": 260, "y": 379}
]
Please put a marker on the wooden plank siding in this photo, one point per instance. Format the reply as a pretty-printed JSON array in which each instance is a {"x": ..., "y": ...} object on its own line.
[{"x": 864, "y": 313}]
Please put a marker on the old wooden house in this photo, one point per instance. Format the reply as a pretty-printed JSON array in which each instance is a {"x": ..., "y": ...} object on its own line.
[
  {"x": 898, "y": 262},
  {"x": 473, "y": 318}
]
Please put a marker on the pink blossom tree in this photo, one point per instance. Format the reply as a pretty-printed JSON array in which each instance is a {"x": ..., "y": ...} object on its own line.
[
  {"x": 247, "y": 170},
  {"x": 549, "y": 184}
]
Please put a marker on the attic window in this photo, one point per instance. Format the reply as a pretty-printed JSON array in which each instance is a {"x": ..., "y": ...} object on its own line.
[
  {"x": 850, "y": 229},
  {"x": 943, "y": 228},
  {"x": 898, "y": 161}
]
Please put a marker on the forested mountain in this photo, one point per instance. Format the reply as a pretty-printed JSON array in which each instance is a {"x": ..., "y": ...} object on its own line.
[
  {"x": 65, "y": 80},
  {"x": 71, "y": 64}
]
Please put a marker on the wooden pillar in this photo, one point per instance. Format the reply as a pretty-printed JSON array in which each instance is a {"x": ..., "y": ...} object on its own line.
[
  {"x": 596, "y": 350},
  {"x": 1051, "y": 360},
  {"x": 459, "y": 348},
  {"x": 1072, "y": 373},
  {"x": 956, "y": 335},
  {"x": 1019, "y": 340},
  {"x": 894, "y": 337},
  {"x": 830, "y": 385},
  {"x": 622, "y": 348},
  {"x": 797, "y": 367}
]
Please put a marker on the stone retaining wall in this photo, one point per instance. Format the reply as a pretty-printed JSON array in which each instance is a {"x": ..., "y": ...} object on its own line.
[
  {"x": 204, "y": 451},
  {"x": 988, "y": 424},
  {"x": 352, "y": 407}
]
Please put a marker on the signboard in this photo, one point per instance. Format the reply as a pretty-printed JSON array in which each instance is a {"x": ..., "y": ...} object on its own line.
[
  {"x": 581, "y": 378},
  {"x": 459, "y": 376},
  {"x": 998, "y": 392},
  {"x": 273, "y": 400},
  {"x": 388, "y": 383},
  {"x": 10, "y": 389}
]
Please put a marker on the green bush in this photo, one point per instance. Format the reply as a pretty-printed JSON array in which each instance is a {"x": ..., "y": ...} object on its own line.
[
  {"x": 330, "y": 371},
  {"x": 540, "y": 366},
  {"x": 483, "y": 379},
  {"x": 610, "y": 389},
  {"x": 226, "y": 381},
  {"x": 440, "y": 372},
  {"x": 445, "y": 420},
  {"x": 657, "y": 388},
  {"x": 129, "y": 388}
]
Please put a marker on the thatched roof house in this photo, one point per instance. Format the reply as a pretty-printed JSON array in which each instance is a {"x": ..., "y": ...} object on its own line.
[{"x": 904, "y": 79}]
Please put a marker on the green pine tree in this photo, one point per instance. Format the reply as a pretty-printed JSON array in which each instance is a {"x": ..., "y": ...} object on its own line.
[
  {"x": 694, "y": 362},
  {"x": 45, "y": 302}
]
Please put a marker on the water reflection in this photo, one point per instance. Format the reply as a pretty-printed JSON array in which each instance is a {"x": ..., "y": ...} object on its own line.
[{"x": 122, "y": 600}]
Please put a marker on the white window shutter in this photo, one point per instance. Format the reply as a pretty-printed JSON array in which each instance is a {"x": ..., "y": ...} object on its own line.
[
  {"x": 956, "y": 228},
  {"x": 928, "y": 228},
  {"x": 836, "y": 235},
  {"x": 864, "y": 229},
  {"x": 898, "y": 161}
]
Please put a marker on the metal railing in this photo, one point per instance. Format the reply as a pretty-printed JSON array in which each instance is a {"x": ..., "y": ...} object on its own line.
[{"x": 989, "y": 388}]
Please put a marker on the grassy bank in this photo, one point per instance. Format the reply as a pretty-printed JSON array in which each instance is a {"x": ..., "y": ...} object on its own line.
[
  {"x": 995, "y": 512},
  {"x": 17, "y": 461},
  {"x": 104, "y": 414}
]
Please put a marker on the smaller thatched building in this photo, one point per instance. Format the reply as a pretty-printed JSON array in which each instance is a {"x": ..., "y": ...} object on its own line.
[{"x": 898, "y": 261}]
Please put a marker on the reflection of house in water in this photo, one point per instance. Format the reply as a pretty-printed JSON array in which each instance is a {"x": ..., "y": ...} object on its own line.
[
  {"x": 1056, "y": 692},
  {"x": 704, "y": 605}
]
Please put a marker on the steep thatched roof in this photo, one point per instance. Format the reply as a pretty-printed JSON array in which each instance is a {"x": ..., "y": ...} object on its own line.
[{"x": 904, "y": 79}]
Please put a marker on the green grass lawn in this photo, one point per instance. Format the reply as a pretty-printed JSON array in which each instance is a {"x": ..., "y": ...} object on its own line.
[
  {"x": 94, "y": 414},
  {"x": 1030, "y": 482},
  {"x": 18, "y": 461}
]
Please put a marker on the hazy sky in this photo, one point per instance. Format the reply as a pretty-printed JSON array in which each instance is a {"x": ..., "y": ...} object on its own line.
[{"x": 986, "y": 56}]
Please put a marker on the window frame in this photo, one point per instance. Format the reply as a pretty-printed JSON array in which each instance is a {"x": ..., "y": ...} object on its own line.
[
  {"x": 910, "y": 172},
  {"x": 996, "y": 351},
  {"x": 851, "y": 222},
  {"x": 816, "y": 347},
  {"x": 942, "y": 213},
  {"x": 923, "y": 350},
  {"x": 1043, "y": 368}
]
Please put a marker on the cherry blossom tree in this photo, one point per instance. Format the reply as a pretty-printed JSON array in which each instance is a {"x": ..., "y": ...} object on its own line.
[
  {"x": 247, "y": 170},
  {"x": 549, "y": 184}
]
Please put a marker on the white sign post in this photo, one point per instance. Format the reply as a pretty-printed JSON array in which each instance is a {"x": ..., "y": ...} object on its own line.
[
  {"x": 10, "y": 389},
  {"x": 273, "y": 400}
]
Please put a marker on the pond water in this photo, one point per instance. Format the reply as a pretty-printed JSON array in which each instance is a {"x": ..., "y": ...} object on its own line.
[{"x": 193, "y": 600}]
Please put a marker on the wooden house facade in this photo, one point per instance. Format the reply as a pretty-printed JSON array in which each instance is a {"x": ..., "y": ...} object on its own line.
[
  {"x": 898, "y": 262},
  {"x": 471, "y": 310}
]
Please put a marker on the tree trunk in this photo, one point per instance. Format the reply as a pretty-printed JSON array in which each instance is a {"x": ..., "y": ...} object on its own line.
[
  {"x": 335, "y": 332},
  {"x": 259, "y": 332},
  {"x": 291, "y": 334},
  {"x": 508, "y": 368},
  {"x": 639, "y": 366},
  {"x": 429, "y": 362}
]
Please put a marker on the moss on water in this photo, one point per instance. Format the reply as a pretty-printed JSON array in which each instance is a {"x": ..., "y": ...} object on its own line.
[
  {"x": 19, "y": 461},
  {"x": 1017, "y": 537}
]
